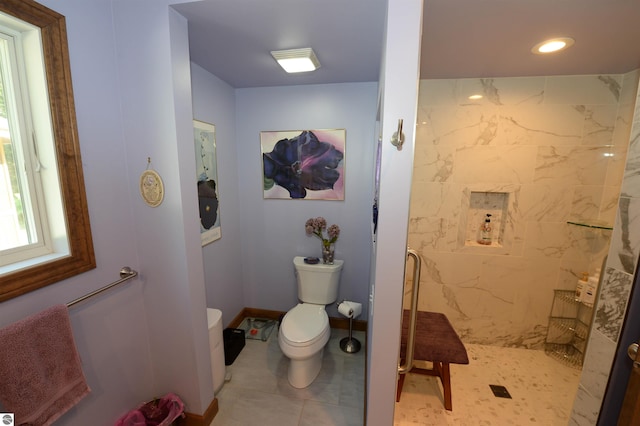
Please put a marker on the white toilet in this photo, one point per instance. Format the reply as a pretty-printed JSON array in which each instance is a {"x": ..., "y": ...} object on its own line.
[{"x": 305, "y": 330}]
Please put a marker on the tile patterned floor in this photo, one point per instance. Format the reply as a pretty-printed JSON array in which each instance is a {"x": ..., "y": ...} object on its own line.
[
  {"x": 259, "y": 392},
  {"x": 542, "y": 390}
]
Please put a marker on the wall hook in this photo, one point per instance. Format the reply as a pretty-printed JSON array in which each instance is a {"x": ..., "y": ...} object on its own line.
[{"x": 398, "y": 137}]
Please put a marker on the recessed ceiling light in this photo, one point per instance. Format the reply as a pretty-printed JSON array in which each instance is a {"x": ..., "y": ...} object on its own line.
[
  {"x": 297, "y": 60},
  {"x": 475, "y": 97},
  {"x": 553, "y": 45}
]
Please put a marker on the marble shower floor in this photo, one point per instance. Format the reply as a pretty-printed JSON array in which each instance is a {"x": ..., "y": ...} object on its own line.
[{"x": 542, "y": 390}]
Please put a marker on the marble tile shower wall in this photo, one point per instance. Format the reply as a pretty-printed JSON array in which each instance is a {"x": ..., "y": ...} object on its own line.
[
  {"x": 616, "y": 285},
  {"x": 547, "y": 143}
]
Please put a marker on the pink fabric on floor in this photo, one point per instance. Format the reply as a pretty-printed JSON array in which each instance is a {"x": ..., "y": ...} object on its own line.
[
  {"x": 40, "y": 373},
  {"x": 158, "y": 412}
]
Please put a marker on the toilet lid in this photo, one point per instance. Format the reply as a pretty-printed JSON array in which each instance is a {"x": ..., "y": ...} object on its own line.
[{"x": 304, "y": 322}]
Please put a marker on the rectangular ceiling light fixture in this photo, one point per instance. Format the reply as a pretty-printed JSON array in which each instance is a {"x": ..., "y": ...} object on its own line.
[{"x": 297, "y": 60}]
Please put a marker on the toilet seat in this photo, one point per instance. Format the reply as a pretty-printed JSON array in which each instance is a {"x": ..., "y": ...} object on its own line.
[{"x": 304, "y": 325}]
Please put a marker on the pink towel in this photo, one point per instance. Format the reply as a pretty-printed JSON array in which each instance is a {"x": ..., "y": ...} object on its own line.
[{"x": 40, "y": 373}]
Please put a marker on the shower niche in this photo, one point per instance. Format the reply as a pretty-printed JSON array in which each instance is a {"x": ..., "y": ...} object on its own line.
[{"x": 480, "y": 204}]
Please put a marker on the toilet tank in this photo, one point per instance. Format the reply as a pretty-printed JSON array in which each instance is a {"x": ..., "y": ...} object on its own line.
[{"x": 317, "y": 283}]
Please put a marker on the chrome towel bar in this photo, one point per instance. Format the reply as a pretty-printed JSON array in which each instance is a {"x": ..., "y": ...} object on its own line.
[{"x": 126, "y": 274}]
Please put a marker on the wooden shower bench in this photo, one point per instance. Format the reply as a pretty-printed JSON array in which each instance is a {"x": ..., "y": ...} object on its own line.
[{"x": 435, "y": 341}]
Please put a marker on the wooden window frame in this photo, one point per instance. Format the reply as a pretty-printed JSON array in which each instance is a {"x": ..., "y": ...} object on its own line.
[{"x": 67, "y": 148}]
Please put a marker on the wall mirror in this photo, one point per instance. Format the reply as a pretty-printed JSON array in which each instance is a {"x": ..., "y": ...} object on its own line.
[{"x": 45, "y": 235}]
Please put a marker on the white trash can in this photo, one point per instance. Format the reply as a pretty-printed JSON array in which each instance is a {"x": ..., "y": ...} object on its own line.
[{"x": 216, "y": 346}]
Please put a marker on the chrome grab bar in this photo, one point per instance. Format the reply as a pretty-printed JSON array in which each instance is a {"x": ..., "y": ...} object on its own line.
[{"x": 413, "y": 313}]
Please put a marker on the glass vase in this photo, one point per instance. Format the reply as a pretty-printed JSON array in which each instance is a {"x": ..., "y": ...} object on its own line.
[{"x": 327, "y": 254}]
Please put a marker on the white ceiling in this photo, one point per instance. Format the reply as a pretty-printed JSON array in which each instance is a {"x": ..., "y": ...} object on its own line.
[{"x": 461, "y": 38}]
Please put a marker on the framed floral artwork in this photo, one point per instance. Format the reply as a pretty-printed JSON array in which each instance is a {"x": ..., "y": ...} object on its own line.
[
  {"x": 303, "y": 164},
  {"x": 204, "y": 138}
]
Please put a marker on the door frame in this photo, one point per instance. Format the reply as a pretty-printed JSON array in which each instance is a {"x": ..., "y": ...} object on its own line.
[
  {"x": 622, "y": 364},
  {"x": 398, "y": 98}
]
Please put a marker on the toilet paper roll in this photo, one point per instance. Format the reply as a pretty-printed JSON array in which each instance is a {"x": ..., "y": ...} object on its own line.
[
  {"x": 345, "y": 309},
  {"x": 350, "y": 309}
]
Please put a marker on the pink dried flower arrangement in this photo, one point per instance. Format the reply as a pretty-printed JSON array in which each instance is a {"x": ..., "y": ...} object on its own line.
[{"x": 317, "y": 225}]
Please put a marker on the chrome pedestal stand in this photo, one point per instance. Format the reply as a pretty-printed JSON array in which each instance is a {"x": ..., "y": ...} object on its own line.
[{"x": 350, "y": 344}]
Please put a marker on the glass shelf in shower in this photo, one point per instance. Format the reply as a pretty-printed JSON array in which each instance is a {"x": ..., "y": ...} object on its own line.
[{"x": 591, "y": 224}]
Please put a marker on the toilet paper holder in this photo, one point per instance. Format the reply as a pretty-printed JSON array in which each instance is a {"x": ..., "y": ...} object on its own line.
[
  {"x": 349, "y": 309},
  {"x": 349, "y": 344}
]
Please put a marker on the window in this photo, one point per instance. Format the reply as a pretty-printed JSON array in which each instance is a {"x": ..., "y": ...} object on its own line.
[
  {"x": 44, "y": 225},
  {"x": 24, "y": 216}
]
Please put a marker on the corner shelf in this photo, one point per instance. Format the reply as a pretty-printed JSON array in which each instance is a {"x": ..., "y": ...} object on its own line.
[{"x": 568, "y": 331}]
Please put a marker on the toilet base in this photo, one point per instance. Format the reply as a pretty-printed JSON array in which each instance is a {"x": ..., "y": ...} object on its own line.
[{"x": 302, "y": 372}]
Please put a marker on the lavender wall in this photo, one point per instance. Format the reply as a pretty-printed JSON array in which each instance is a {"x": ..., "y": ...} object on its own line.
[
  {"x": 155, "y": 88},
  {"x": 214, "y": 102},
  {"x": 131, "y": 74},
  {"x": 273, "y": 230},
  {"x": 111, "y": 330}
]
